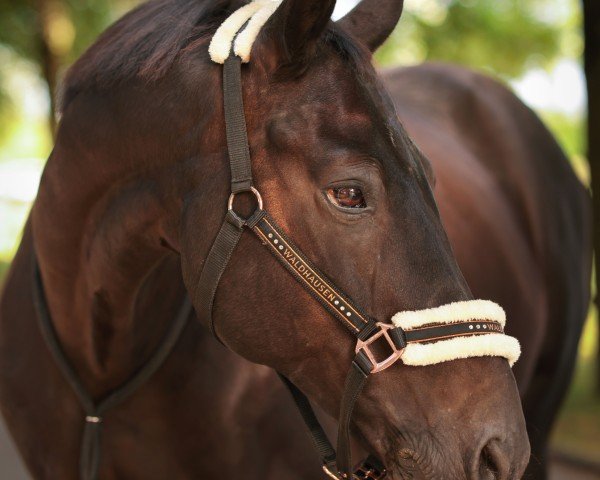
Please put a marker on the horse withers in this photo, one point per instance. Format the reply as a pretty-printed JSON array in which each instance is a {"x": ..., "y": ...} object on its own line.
[{"x": 134, "y": 194}]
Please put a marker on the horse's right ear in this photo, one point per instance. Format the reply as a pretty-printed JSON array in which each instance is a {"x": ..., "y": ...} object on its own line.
[
  {"x": 295, "y": 29},
  {"x": 372, "y": 21}
]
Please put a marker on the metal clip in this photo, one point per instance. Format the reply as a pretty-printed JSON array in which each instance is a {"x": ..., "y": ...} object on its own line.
[{"x": 365, "y": 346}]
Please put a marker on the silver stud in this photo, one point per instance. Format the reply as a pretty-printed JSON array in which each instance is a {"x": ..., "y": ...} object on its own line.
[
  {"x": 348, "y": 314},
  {"x": 477, "y": 327},
  {"x": 275, "y": 241},
  {"x": 342, "y": 308},
  {"x": 337, "y": 302},
  {"x": 470, "y": 327},
  {"x": 280, "y": 247},
  {"x": 270, "y": 235},
  {"x": 485, "y": 326}
]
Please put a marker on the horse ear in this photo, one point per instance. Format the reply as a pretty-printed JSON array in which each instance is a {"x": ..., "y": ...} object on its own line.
[
  {"x": 372, "y": 21},
  {"x": 296, "y": 27}
]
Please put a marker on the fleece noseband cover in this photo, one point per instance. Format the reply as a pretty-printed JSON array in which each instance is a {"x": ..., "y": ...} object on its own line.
[{"x": 486, "y": 341}]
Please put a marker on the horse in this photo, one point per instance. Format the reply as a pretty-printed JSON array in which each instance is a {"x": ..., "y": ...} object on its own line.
[{"x": 410, "y": 189}]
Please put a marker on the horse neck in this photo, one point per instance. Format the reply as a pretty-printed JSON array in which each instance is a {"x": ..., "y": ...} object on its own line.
[{"x": 106, "y": 224}]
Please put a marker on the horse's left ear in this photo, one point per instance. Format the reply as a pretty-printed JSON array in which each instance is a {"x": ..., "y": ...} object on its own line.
[
  {"x": 296, "y": 27},
  {"x": 372, "y": 21}
]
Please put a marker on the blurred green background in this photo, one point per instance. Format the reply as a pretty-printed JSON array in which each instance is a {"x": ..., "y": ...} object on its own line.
[{"x": 535, "y": 46}]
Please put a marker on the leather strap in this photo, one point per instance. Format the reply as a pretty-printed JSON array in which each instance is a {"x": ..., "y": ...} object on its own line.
[
  {"x": 322, "y": 444},
  {"x": 218, "y": 257},
  {"x": 235, "y": 126},
  {"x": 89, "y": 460},
  {"x": 310, "y": 277},
  {"x": 354, "y": 385},
  {"x": 241, "y": 181},
  {"x": 434, "y": 333}
]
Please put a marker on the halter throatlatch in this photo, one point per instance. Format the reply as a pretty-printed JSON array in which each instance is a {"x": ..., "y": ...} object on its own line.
[{"x": 459, "y": 330}]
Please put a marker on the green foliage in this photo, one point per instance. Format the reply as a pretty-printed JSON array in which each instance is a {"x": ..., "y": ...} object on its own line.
[
  {"x": 90, "y": 18},
  {"x": 36, "y": 31},
  {"x": 17, "y": 27},
  {"x": 3, "y": 269},
  {"x": 506, "y": 37},
  {"x": 71, "y": 25},
  {"x": 578, "y": 427},
  {"x": 570, "y": 133}
]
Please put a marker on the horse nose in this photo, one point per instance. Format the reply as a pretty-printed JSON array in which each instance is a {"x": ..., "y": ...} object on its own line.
[{"x": 497, "y": 460}]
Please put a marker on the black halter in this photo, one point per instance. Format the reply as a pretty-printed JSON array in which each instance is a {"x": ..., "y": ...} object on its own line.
[{"x": 365, "y": 329}]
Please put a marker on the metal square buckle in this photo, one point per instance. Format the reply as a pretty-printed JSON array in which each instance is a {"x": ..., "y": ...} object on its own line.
[{"x": 365, "y": 346}]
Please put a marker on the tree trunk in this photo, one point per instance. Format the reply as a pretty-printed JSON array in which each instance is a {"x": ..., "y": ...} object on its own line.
[
  {"x": 49, "y": 60},
  {"x": 591, "y": 14}
]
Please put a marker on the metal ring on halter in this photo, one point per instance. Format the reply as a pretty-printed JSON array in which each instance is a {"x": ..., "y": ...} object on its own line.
[{"x": 259, "y": 201}]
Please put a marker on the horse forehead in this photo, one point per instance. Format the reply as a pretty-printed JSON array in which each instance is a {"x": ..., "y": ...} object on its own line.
[{"x": 318, "y": 120}]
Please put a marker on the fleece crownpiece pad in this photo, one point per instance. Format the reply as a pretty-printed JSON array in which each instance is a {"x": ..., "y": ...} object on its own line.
[
  {"x": 252, "y": 18},
  {"x": 485, "y": 337}
]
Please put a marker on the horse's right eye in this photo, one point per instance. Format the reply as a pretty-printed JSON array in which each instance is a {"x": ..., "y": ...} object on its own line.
[{"x": 347, "y": 197}]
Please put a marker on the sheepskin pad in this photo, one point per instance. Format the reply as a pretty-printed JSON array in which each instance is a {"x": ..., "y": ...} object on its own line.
[
  {"x": 485, "y": 345},
  {"x": 254, "y": 15}
]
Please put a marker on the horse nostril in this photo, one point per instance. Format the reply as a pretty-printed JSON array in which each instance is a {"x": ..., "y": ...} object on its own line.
[{"x": 493, "y": 462}]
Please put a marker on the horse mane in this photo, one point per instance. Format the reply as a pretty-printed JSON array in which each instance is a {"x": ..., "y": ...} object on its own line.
[{"x": 144, "y": 43}]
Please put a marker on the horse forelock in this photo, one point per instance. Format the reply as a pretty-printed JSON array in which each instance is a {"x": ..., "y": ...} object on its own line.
[{"x": 144, "y": 44}]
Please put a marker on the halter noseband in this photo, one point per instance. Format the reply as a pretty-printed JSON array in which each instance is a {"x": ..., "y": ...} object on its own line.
[{"x": 418, "y": 338}]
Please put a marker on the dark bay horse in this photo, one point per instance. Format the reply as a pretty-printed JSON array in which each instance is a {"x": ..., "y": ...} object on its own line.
[{"x": 133, "y": 195}]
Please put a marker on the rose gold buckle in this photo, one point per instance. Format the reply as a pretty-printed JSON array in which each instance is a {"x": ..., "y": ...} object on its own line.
[{"x": 365, "y": 345}]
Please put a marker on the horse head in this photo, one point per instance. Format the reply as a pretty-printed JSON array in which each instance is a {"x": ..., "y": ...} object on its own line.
[{"x": 340, "y": 175}]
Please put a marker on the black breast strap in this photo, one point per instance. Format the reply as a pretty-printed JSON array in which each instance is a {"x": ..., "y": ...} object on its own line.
[{"x": 89, "y": 459}]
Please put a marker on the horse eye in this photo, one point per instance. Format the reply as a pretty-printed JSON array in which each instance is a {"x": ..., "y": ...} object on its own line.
[{"x": 347, "y": 197}]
